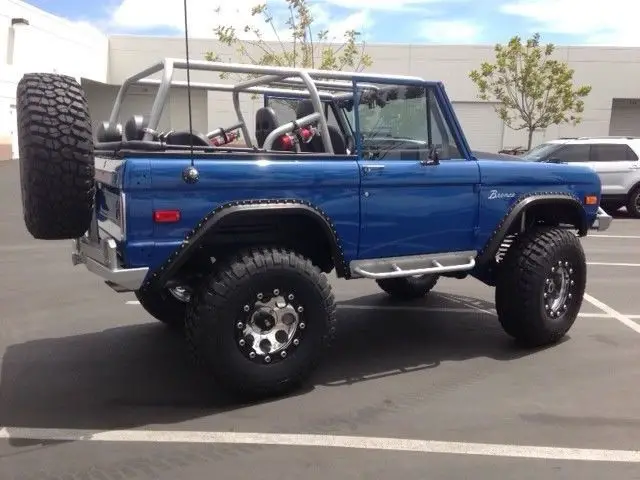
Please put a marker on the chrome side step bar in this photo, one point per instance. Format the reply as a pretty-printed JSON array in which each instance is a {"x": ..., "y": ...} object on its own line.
[{"x": 397, "y": 267}]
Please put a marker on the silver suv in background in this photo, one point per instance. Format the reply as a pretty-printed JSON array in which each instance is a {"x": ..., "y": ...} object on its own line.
[{"x": 615, "y": 159}]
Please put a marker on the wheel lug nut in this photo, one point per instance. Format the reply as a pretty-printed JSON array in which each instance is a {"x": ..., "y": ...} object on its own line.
[
  {"x": 296, "y": 342},
  {"x": 252, "y": 355},
  {"x": 571, "y": 270},
  {"x": 267, "y": 359},
  {"x": 242, "y": 342},
  {"x": 247, "y": 308},
  {"x": 566, "y": 264},
  {"x": 300, "y": 309},
  {"x": 290, "y": 297},
  {"x": 240, "y": 325},
  {"x": 276, "y": 291},
  {"x": 283, "y": 354},
  {"x": 259, "y": 296},
  {"x": 570, "y": 295},
  {"x": 302, "y": 326}
]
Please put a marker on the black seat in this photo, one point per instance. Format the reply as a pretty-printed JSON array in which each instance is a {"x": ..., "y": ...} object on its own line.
[
  {"x": 185, "y": 138},
  {"x": 134, "y": 128},
  {"x": 266, "y": 122},
  {"x": 106, "y": 132},
  {"x": 304, "y": 108}
]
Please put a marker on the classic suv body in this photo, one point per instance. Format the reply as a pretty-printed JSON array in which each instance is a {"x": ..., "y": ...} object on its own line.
[
  {"x": 371, "y": 178},
  {"x": 390, "y": 208}
]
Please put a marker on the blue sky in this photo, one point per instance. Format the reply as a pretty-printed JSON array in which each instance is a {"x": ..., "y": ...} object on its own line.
[{"x": 389, "y": 21}]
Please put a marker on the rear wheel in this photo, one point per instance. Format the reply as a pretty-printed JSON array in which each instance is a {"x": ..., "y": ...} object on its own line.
[
  {"x": 260, "y": 322},
  {"x": 540, "y": 288},
  {"x": 56, "y": 156},
  {"x": 408, "y": 288}
]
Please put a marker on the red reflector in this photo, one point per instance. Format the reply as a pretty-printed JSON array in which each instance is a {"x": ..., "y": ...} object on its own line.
[{"x": 166, "y": 216}]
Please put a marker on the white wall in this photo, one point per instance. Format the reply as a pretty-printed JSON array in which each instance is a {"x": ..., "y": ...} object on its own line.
[
  {"x": 606, "y": 69},
  {"x": 47, "y": 44},
  {"x": 139, "y": 100}
]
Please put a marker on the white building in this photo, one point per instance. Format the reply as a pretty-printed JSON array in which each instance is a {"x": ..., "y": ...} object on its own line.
[{"x": 32, "y": 40}]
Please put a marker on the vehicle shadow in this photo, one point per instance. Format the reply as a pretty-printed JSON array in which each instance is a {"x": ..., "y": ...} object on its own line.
[{"x": 132, "y": 376}]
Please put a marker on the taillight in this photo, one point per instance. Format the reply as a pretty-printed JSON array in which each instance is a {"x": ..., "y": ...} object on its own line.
[{"x": 166, "y": 216}]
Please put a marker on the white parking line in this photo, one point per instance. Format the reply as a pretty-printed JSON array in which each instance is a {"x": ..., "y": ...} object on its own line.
[
  {"x": 613, "y": 264},
  {"x": 613, "y": 236},
  {"x": 624, "y": 319},
  {"x": 410, "y": 308},
  {"x": 327, "y": 441}
]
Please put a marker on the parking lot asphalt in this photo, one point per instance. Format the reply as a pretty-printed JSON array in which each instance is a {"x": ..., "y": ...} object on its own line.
[{"x": 91, "y": 387}]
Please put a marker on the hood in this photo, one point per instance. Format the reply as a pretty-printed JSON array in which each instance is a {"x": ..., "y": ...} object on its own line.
[{"x": 495, "y": 156}]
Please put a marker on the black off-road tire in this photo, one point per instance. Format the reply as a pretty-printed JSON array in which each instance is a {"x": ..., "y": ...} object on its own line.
[
  {"x": 408, "y": 288},
  {"x": 164, "y": 307},
  {"x": 633, "y": 203},
  {"x": 221, "y": 302},
  {"x": 521, "y": 305},
  {"x": 56, "y": 155}
]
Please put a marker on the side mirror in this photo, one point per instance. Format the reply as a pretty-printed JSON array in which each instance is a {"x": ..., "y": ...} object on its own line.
[{"x": 433, "y": 157}]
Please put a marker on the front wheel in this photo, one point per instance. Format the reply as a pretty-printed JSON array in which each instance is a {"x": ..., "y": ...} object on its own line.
[
  {"x": 259, "y": 323},
  {"x": 541, "y": 286}
]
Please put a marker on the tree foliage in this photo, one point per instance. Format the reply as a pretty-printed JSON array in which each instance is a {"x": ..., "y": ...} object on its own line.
[
  {"x": 299, "y": 48},
  {"x": 533, "y": 90}
]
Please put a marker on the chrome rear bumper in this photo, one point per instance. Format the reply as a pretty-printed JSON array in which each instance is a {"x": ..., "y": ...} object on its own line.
[
  {"x": 101, "y": 258},
  {"x": 603, "y": 220}
]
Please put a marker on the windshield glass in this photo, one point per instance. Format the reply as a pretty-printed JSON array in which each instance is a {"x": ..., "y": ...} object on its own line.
[
  {"x": 540, "y": 151},
  {"x": 393, "y": 112}
]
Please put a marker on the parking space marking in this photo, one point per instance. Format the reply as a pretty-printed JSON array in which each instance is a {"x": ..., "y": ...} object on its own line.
[
  {"x": 613, "y": 264},
  {"x": 410, "y": 308},
  {"x": 327, "y": 441},
  {"x": 624, "y": 319},
  {"x": 613, "y": 236}
]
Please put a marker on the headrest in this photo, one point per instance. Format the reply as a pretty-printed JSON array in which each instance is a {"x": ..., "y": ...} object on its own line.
[
  {"x": 106, "y": 132},
  {"x": 135, "y": 126}
]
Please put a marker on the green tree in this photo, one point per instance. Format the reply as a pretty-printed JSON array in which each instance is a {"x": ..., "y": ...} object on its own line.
[
  {"x": 532, "y": 90},
  {"x": 301, "y": 49}
]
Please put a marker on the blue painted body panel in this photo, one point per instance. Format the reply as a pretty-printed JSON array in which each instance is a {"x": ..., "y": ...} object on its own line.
[
  {"x": 153, "y": 184},
  {"x": 404, "y": 209},
  {"x": 409, "y": 208},
  {"x": 520, "y": 177}
]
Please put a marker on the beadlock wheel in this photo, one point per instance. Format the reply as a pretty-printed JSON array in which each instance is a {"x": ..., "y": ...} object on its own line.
[
  {"x": 270, "y": 327},
  {"x": 558, "y": 289},
  {"x": 260, "y": 322},
  {"x": 540, "y": 286}
]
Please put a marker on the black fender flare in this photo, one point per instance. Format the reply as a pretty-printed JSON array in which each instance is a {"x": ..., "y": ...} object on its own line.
[
  {"x": 161, "y": 275},
  {"x": 522, "y": 204}
]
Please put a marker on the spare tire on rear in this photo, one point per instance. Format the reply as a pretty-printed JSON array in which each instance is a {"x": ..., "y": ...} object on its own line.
[{"x": 56, "y": 156}]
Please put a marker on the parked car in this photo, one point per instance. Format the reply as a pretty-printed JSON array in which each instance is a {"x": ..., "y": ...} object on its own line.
[
  {"x": 372, "y": 177},
  {"x": 615, "y": 159}
]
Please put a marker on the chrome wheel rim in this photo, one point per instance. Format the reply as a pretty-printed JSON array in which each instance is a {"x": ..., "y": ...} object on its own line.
[
  {"x": 270, "y": 326},
  {"x": 558, "y": 287}
]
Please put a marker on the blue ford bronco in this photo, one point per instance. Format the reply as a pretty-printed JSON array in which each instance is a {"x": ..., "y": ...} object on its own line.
[{"x": 368, "y": 176}]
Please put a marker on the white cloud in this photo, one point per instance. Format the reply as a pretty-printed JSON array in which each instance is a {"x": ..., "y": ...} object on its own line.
[
  {"x": 389, "y": 5},
  {"x": 205, "y": 15},
  {"x": 452, "y": 32},
  {"x": 614, "y": 22}
]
